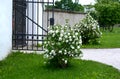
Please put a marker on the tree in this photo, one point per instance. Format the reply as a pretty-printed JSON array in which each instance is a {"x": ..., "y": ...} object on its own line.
[
  {"x": 108, "y": 15},
  {"x": 106, "y": 1},
  {"x": 68, "y": 5}
]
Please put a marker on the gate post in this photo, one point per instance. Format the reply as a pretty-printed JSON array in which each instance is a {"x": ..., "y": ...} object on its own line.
[{"x": 5, "y": 28}]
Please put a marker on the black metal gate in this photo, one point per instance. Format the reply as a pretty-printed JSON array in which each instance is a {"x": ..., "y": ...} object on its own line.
[{"x": 28, "y": 29}]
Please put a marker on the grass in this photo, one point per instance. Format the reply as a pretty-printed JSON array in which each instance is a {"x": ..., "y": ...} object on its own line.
[
  {"x": 31, "y": 66},
  {"x": 108, "y": 40}
]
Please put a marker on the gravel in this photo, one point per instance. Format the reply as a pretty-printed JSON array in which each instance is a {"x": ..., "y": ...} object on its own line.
[{"x": 106, "y": 56}]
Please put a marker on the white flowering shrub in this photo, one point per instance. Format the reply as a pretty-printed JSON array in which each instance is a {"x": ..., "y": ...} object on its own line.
[
  {"x": 62, "y": 44},
  {"x": 89, "y": 30}
]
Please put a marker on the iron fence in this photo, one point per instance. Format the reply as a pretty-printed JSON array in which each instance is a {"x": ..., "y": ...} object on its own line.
[{"x": 28, "y": 30}]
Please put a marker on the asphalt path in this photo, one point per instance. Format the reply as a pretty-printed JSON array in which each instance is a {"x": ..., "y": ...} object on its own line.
[{"x": 106, "y": 56}]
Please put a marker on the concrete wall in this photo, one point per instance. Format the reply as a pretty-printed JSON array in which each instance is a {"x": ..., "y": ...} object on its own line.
[
  {"x": 61, "y": 16},
  {"x": 5, "y": 28}
]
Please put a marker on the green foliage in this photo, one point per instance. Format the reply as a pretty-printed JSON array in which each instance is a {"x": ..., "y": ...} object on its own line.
[
  {"x": 89, "y": 30},
  {"x": 106, "y": 1},
  {"x": 68, "y": 5},
  {"x": 108, "y": 39},
  {"x": 63, "y": 43},
  {"x": 30, "y": 66},
  {"x": 108, "y": 15},
  {"x": 94, "y": 14}
]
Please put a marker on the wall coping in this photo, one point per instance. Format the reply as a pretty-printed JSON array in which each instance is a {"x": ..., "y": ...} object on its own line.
[{"x": 64, "y": 11}]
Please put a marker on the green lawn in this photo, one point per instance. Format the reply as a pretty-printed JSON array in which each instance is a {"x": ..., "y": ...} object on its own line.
[
  {"x": 31, "y": 66},
  {"x": 108, "y": 40}
]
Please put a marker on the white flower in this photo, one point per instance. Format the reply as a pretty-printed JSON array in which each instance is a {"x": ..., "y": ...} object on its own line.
[
  {"x": 76, "y": 38},
  {"x": 53, "y": 35},
  {"x": 46, "y": 45},
  {"x": 65, "y": 53},
  {"x": 66, "y": 41},
  {"x": 62, "y": 31},
  {"x": 45, "y": 42},
  {"x": 80, "y": 55},
  {"x": 94, "y": 28},
  {"x": 76, "y": 50},
  {"x": 52, "y": 57},
  {"x": 73, "y": 42},
  {"x": 78, "y": 47},
  {"x": 46, "y": 56},
  {"x": 72, "y": 55},
  {"x": 68, "y": 33},
  {"x": 65, "y": 50},
  {"x": 68, "y": 52},
  {"x": 56, "y": 31},
  {"x": 73, "y": 36},
  {"x": 77, "y": 43},
  {"x": 76, "y": 33},
  {"x": 60, "y": 38},
  {"x": 76, "y": 55},
  {"x": 49, "y": 27},
  {"x": 66, "y": 36},
  {"x": 46, "y": 50},
  {"x": 80, "y": 42},
  {"x": 72, "y": 47},
  {"x": 71, "y": 29},
  {"x": 61, "y": 35},
  {"x": 66, "y": 26},
  {"x": 58, "y": 43},
  {"x": 70, "y": 39},
  {"x": 65, "y": 61},
  {"x": 79, "y": 37},
  {"x": 52, "y": 51},
  {"x": 52, "y": 44},
  {"x": 57, "y": 27},
  {"x": 45, "y": 62},
  {"x": 51, "y": 31},
  {"x": 60, "y": 51},
  {"x": 69, "y": 36}
]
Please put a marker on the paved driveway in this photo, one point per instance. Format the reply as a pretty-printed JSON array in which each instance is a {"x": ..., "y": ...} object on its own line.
[{"x": 107, "y": 56}]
